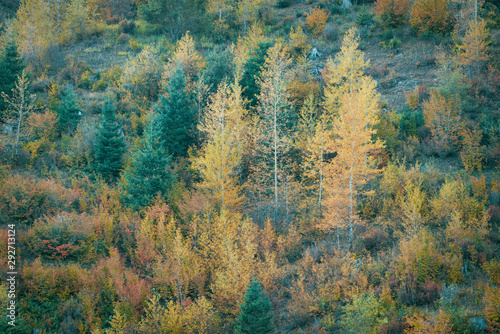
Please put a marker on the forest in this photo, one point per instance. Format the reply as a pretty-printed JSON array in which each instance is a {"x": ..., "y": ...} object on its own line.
[{"x": 250, "y": 166}]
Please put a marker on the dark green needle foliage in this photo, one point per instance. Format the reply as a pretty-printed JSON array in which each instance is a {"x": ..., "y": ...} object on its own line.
[
  {"x": 252, "y": 68},
  {"x": 176, "y": 116},
  {"x": 110, "y": 144},
  {"x": 255, "y": 316},
  {"x": 11, "y": 66},
  {"x": 69, "y": 111},
  {"x": 148, "y": 175}
]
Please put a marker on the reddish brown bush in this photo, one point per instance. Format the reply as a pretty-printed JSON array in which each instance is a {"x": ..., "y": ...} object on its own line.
[
  {"x": 432, "y": 16},
  {"x": 316, "y": 20},
  {"x": 393, "y": 13}
]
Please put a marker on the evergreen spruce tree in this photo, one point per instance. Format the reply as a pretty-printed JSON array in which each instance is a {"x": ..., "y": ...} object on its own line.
[
  {"x": 69, "y": 111},
  {"x": 176, "y": 116},
  {"x": 110, "y": 145},
  {"x": 11, "y": 67},
  {"x": 253, "y": 68},
  {"x": 255, "y": 316},
  {"x": 148, "y": 174}
]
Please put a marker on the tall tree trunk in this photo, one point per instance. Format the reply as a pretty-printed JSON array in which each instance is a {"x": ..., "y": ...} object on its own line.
[
  {"x": 351, "y": 223},
  {"x": 275, "y": 165}
]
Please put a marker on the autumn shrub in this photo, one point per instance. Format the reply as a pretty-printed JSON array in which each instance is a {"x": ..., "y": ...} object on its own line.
[
  {"x": 85, "y": 81},
  {"x": 374, "y": 239},
  {"x": 124, "y": 38},
  {"x": 80, "y": 152},
  {"x": 24, "y": 199},
  {"x": 414, "y": 98},
  {"x": 126, "y": 26},
  {"x": 491, "y": 298},
  {"x": 316, "y": 20},
  {"x": 472, "y": 153},
  {"x": 392, "y": 13},
  {"x": 420, "y": 323},
  {"x": 442, "y": 115},
  {"x": 465, "y": 214},
  {"x": 65, "y": 236},
  {"x": 41, "y": 133},
  {"x": 298, "y": 41},
  {"x": 73, "y": 70},
  {"x": 432, "y": 16},
  {"x": 364, "y": 315},
  {"x": 417, "y": 267},
  {"x": 330, "y": 33},
  {"x": 142, "y": 74},
  {"x": 48, "y": 283}
]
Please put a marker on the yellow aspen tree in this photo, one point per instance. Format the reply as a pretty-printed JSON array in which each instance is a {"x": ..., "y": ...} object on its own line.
[
  {"x": 469, "y": 11},
  {"x": 236, "y": 254},
  {"x": 221, "y": 157},
  {"x": 247, "y": 10},
  {"x": 77, "y": 20},
  {"x": 346, "y": 73},
  {"x": 20, "y": 105},
  {"x": 472, "y": 153},
  {"x": 352, "y": 168},
  {"x": 473, "y": 51},
  {"x": 189, "y": 58},
  {"x": 178, "y": 266},
  {"x": 316, "y": 138},
  {"x": 245, "y": 46},
  {"x": 219, "y": 7},
  {"x": 442, "y": 117},
  {"x": 35, "y": 30},
  {"x": 274, "y": 107}
]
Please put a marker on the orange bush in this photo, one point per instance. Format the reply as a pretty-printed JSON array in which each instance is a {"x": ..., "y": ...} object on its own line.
[
  {"x": 393, "y": 13},
  {"x": 24, "y": 199},
  {"x": 316, "y": 20},
  {"x": 432, "y": 16}
]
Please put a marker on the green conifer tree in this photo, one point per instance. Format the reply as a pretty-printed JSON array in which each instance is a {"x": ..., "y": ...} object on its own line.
[
  {"x": 253, "y": 68},
  {"x": 255, "y": 316},
  {"x": 176, "y": 116},
  {"x": 109, "y": 145},
  {"x": 148, "y": 174},
  {"x": 11, "y": 66},
  {"x": 69, "y": 111}
]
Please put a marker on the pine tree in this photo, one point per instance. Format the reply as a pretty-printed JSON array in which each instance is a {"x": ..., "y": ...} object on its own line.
[
  {"x": 252, "y": 71},
  {"x": 69, "y": 111},
  {"x": 148, "y": 174},
  {"x": 110, "y": 145},
  {"x": 176, "y": 116},
  {"x": 11, "y": 66},
  {"x": 255, "y": 316}
]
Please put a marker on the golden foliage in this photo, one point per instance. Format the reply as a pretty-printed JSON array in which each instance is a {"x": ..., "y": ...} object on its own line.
[
  {"x": 431, "y": 15},
  {"x": 472, "y": 153},
  {"x": 473, "y": 51},
  {"x": 344, "y": 74},
  {"x": 442, "y": 117},
  {"x": 393, "y": 13},
  {"x": 186, "y": 56},
  {"x": 41, "y": 131},
  {"x": 439, "y": 324},
  {"x": 298, "y": 41},
  {"x": 316, "y": 20},
  {"x": 225, "y": 126},
  {"x": 353, "y": 165}
]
